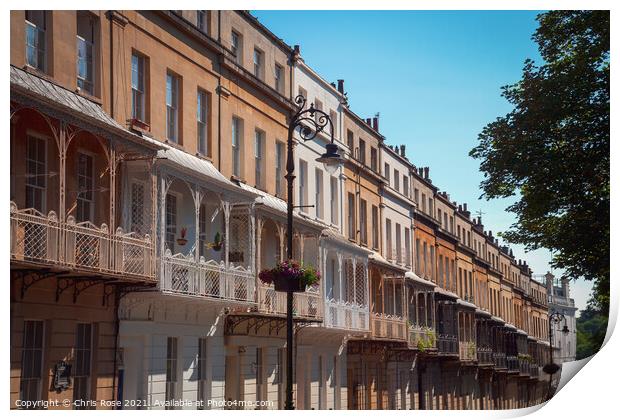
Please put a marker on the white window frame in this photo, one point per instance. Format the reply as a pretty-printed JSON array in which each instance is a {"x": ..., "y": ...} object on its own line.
[
  {"x": 236, "y": 45},
  {"x": 138, "y": 86},
  {"x": 318, "y": 195},
  {"x": 91, "y": 187},
  {"x": 202, "y": 122},
  {"x": 374, "y": 210},
  {"x": 237, "y": 144},
  {"x": 172, "y": 374},
  {"x": 86, "y": 82},
  {"x": 168, "y": 230},
  {"x": 351, "y": 216},
  {"x": 172, "y": 107},
  {"x": 334, "y": 195},
  {"x": 133, "y": 223},
  {"x": 280, "y": 154},
  {"x": 363, "y": 221},
  {"x": 278, "y": 75},
  {"x": 259, "y": 148},
  {"x": 303, "y": 185},
  {"x": 28, "y": 184},
  {"x": 396, "y": 180},
  {"x": 79, "y": 353},
  {"x": 41, "y": 38},
  {"x": 32, "y": 351},
  {"x": 258, "y": 61},
  {"x": 202, "y": 20},
  {"x": 388, "y": 238},
  {"x": 202, "y": 370}
]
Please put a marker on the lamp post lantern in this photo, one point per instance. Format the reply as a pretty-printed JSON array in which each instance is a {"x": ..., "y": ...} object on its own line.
[
  {"x": 310, "y": 122},
  {"x": 551, "y": 368}
]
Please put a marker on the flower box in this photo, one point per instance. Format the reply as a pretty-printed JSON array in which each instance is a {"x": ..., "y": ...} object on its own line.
[{"x": 288, "y": 285}]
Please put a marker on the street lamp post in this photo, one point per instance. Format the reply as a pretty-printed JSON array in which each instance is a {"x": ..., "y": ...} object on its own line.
[
  {"x": 551, "y": 368},
  {"x": 310, "y": 122}
]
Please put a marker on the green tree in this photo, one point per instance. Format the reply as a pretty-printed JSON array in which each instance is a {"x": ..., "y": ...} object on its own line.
[
  {"x": 591, "y": 328},
  {"x": 552, "y": 150}
]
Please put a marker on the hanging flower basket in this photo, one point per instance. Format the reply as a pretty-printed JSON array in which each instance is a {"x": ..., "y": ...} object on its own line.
[
  {"x": 182, "y": 240},
  {"x": 290, "y": 276},
  {"x": 217, "y": 243}
]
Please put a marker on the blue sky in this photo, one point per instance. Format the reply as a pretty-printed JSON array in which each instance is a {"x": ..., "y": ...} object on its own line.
[{"x": 435, "y": 79}]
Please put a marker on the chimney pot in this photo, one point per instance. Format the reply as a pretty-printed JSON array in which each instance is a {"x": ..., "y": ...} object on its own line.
[
  {"x": 296, "y": 50},
  {"x": 341, "y": 86},
  {"x": 426, "y": 169},
  {"x": 460, "y": 208},
  {"x": 465, "y": 206},
  {"x": 375, "y": 123},
  {"x": 402, "y": 150}
]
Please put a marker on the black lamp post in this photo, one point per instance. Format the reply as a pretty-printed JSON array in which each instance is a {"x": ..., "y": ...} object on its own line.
[
  {"x": 310, "y": 122},
  {"x": 551, "y": 368}
]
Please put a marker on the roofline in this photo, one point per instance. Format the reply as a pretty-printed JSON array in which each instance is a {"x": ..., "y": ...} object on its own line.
[
  {"x": 266, "y": 31},
  {"x": 324, "y": 82},
  {"x": 359, "y": 119}
]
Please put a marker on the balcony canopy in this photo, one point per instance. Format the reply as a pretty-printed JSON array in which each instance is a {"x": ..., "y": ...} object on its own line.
[
  {"x": 31, "y": 90},
  {"x": 410, "y": 275}
]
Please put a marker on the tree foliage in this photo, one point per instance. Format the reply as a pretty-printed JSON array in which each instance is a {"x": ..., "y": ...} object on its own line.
[
  {"x": 552, "y": 150},
  {"x": 591, "y": 328}
]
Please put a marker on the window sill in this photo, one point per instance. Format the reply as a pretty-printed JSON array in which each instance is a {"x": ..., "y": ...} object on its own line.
[
  {"x": 88, "y": 96},
  {"x": 139, "y": 125}
]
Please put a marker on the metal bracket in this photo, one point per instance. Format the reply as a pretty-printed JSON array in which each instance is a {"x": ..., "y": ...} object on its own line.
[
  {"x": 31, "y": 277},
  {"x": 66, "y": 283},
  {"x": 80, "y": 286}
]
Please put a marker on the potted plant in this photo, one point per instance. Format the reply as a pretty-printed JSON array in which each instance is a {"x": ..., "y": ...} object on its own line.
[
  {"x": 217, "y": 243},
  {"x": 290, "y": 276},
  {"x": 182, "y": 240}
]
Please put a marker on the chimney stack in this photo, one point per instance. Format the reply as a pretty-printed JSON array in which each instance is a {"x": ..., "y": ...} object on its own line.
[
  {"x": 490, "y": 234},
  {"x": 464, "y": 206},
  {"x": 341, "y": 86},
  {"x": 460, "y": 208},
  {"x": 296, "y": 50},
  {"x": 426, "y": 169},
  {"x": 368, "y": 121},
  {"x": 375, "y": 123},
  {"x": 402, "y": 150}
]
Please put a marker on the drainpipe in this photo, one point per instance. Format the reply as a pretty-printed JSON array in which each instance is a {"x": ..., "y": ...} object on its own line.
[
  {"x": 111, "y": 64},
  {"x": 219, "y": 96},
  {"x": 116, "y": 332}
]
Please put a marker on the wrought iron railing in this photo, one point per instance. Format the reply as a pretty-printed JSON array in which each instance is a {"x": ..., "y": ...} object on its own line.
[
  {"x": 447, "y": 344},
  {"x": 422, "y": 338},
  {"x": 524, "y": 365},
  {"x": 388, "y": 326},
  {"x": 346, "y": 315},
  {"x": 42, "y": 239},
  {"x": 484, "y": 355},
  {"x": 307, "y": 304},
  {"x": 512, "y": 363},
  {"x": 467, "y": 350},
  {"x": 182, "y": 274},
  {"x": 499, "y": 359}
]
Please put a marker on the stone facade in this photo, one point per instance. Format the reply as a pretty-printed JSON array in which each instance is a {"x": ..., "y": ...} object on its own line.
[{"x": 148, "y": 153}]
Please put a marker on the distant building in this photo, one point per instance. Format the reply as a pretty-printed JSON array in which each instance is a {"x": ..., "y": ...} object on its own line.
[{"x": 564, "y": 345}]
